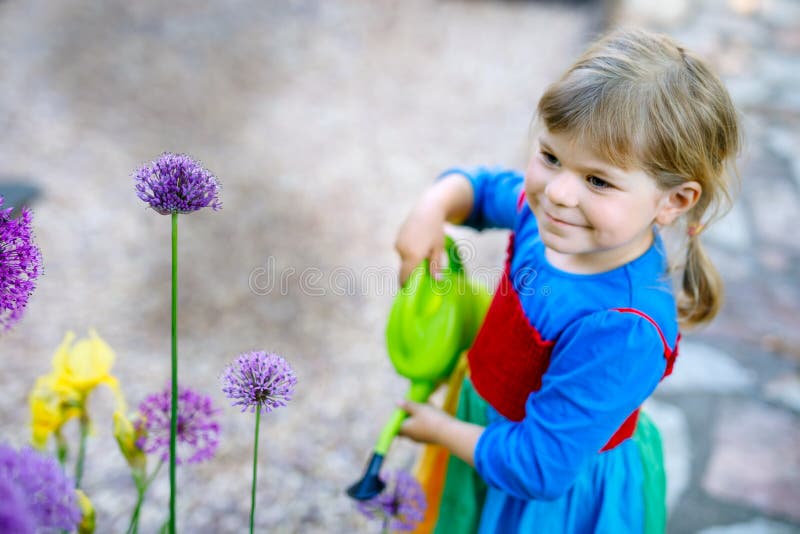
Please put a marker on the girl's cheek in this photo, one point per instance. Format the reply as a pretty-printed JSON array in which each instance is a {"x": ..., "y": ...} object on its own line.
[
  {"x": 531, "y": 193},
  {"x": 534, "y": 178},
  {"x": 527, "y": 185}
]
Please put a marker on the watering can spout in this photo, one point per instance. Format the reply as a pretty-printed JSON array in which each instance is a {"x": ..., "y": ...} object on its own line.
[{"x": 370, "y": 484}]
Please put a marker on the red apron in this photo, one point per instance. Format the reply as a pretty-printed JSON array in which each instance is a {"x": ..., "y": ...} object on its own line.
[{"x": 509, "y": 356}]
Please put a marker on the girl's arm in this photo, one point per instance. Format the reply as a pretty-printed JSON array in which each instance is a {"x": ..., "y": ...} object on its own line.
[
  {"x": 428, "y": 424},
  {"x": 480, "y": 198},
  {"x": 422, "y": 234}
]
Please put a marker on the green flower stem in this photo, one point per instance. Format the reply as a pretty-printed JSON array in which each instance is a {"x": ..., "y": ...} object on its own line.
[
  {"x": 255, "y": 472},
  {"x": 133, "y": 527},
  {"x": 142, "y": 485},
  {"x": 62, "y": 449},
  {"x": 173, "y": 430},
  {"x": 84, "y": 422}
]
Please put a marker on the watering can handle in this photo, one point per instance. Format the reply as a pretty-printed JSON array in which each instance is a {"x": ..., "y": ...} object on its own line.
[
  {"x": 454, "y": 265},
  {"x": 453, "y": 257}
]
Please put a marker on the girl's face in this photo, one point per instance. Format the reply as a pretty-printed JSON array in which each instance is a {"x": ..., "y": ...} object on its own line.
[{"x": 592, "y": 215}]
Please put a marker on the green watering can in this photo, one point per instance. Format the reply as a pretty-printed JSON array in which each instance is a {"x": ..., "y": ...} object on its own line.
[{"x": 430, "y": 324}]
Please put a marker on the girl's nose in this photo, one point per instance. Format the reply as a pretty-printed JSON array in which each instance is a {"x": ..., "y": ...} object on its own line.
[{"x": 562, "y": 190}]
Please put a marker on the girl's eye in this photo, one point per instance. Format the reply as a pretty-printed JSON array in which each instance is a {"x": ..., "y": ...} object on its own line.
[
  {"x": 549, "y": 158},
  {"x": 596, "y": 182}
]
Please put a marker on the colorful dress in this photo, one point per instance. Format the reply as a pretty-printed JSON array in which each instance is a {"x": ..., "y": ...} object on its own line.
[{"x": 563, "y": 361}]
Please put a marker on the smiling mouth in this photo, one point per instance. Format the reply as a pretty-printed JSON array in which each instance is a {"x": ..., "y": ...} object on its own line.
[{"x": 560, "y": 222}]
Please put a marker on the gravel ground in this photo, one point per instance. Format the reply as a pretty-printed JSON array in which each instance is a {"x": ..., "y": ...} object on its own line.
[{"x": 324, "y": 121}]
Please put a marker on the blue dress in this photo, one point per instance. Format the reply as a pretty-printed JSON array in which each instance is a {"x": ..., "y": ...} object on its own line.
[{"x": 545, "y": 473}]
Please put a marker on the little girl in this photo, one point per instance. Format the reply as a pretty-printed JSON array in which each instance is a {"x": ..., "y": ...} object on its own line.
[{"x": 635, "y": 136}]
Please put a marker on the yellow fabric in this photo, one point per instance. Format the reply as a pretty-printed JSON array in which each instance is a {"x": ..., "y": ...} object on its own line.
[{"x": 431, "y": 468}]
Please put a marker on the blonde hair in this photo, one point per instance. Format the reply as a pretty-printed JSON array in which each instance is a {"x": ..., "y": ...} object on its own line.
[{"x": 640, "y": 100}]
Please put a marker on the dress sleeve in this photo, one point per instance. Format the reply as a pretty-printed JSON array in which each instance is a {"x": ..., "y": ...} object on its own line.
[
  {"x": 602, "y": 368},
  {"x": 496, "y": 192}
]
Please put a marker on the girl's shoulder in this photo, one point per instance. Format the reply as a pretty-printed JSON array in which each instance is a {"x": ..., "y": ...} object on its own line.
[
  {"x": 651, "y": 294},
  {"x": 615, "y": 340},
  {"x": 643, "y": 319},
  {"x": 631, "y": 327}
]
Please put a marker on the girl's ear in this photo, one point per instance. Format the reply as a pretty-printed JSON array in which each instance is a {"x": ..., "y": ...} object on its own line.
[{"x": 677, "y": 201}]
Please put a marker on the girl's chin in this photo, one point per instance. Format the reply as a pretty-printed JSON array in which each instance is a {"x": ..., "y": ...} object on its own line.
[
  {"x": 559, "y": 246},
  {"x": 559, "y": 243},
  {"x": 570, "y": 247}
]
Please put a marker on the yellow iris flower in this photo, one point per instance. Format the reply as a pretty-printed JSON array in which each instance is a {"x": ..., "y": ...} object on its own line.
[
  {"x": 78, "y": 368},
  {"x": 85, "y": 364},
  {"x": 52, "y": 404}
]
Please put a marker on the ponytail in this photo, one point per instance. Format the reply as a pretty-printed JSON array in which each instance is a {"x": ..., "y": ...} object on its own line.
[{"x": 702, "y": 293}]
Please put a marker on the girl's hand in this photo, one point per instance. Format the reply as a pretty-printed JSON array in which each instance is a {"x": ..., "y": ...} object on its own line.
[
  {"x": 424, "y": 422},
  {"x": 428, "y": 424},
  {"x": 421, "y": 236}
]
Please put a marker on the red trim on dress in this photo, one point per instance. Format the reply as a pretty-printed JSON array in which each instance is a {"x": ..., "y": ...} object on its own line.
[
  {"x": 629, "y": 426},
  {"x": 521, "y": 199},
  {"x": 669, "y": 354}
]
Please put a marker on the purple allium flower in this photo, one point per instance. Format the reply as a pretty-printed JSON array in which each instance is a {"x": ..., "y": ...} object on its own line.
[
  {"x": 20, "y": 265},
  {"x": 401, "y": 504},
  {"x": 176, "y": 183},
  {"x": 259, "y": 380},
  {"x": 15, "y": 516},
  {"x": 38, "y": 482},
  {"x": 198, "y": 431}
]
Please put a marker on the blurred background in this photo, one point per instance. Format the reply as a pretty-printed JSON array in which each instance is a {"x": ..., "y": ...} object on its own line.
[{"x": 324, "y": 121}]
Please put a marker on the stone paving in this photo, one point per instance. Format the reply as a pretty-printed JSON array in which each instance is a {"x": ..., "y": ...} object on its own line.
[
  {"x": 324, "y": 121},
  {"x": 732, "y": 405}
]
